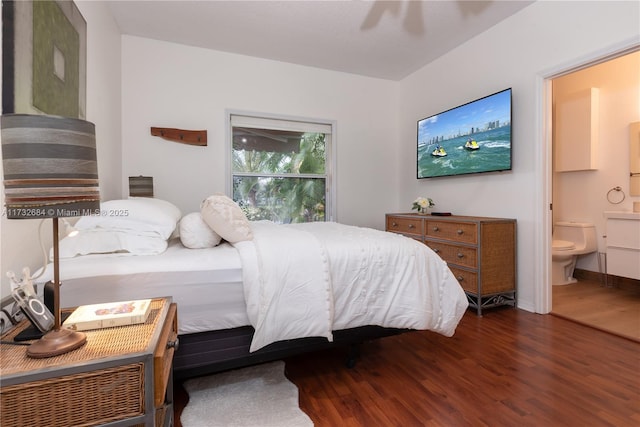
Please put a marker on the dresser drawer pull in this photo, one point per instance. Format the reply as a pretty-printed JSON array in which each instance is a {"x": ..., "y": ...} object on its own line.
[
  {"x": 460, "y": 232},
  {"x": 436, "y": 250},
  {"x": 460, "y": 278},
  {"x": 174, "y": 344},
  {"x": 394, "y": 224},
  {"x": 436, "y": 228},
  {"x": 411, "y": 226},
  {"x": 460, "y": 255}
]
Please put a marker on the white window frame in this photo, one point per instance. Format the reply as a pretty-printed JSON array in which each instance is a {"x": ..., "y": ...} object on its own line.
[{"x": 284, "y": 122}]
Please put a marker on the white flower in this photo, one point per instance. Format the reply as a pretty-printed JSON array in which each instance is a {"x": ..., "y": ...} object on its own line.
[{"x": 422, "y": 203}]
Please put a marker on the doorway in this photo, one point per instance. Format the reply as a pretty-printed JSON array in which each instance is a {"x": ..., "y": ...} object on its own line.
[{"x": 579, "y": 194}]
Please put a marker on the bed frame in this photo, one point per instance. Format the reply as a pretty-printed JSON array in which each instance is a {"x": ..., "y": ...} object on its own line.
[
  {"x": 209, "y": 352},
  {"x": 206, "y": 353}
]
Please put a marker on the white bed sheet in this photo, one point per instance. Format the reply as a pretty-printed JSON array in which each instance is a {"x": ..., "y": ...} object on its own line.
[{"x": 206, "y": 283}]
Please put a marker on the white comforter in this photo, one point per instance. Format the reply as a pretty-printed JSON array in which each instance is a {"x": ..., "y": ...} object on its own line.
[{"x": 303, "y": 280}]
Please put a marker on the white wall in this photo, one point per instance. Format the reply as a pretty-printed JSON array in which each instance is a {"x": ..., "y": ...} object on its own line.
[
  {"x": 514, "y": 53},
  {"x": 103, "y": 93},
  {"x": 582, "y": 195},
  {"x": 176, "y": 86},
  {"x": 20, "y": 244}
]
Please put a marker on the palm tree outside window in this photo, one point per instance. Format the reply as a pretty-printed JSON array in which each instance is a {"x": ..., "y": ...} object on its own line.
[{"x": 281, "y": 168}]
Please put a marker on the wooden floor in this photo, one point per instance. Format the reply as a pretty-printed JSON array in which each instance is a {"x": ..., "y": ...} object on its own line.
[
  {"x": 612, "y": 309},
  {"x": 507, "y": 368}
]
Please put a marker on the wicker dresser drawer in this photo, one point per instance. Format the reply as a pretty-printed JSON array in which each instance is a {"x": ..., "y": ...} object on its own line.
[
  {"x": 463, "y": 232},
  {"x": 405, "y": 226},
  {"x": 467, "y": 279},
  {"x": 480, "y": 251},
  {"x": 453, "y": 254}
]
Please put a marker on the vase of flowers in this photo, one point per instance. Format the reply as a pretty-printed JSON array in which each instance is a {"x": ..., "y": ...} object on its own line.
[{"x": 423, "y": 205}]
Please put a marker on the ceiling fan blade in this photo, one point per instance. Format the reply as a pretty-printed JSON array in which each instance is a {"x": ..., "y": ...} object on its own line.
[
  {"x": 414, "y": 19},
  {"x": 378, "y": 9}
]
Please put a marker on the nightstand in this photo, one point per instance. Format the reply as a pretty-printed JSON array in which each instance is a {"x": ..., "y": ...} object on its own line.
[{"x": 123, "y": 376}]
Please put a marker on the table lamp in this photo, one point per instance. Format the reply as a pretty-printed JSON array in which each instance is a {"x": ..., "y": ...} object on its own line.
[{"x": 50, "y": 171}]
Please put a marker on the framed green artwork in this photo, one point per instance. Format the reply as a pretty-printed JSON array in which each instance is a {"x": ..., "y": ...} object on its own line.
[{"x": 44, "y": 62}]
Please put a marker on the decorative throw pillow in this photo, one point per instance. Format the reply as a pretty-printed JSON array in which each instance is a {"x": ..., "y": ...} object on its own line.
[
  {"x": 196, "y": 234},
  {"x": 226, "y": 218}
]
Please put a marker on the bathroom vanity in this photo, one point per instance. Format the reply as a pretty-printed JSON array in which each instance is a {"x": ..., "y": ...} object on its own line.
[{"x": 623, "y": 244}]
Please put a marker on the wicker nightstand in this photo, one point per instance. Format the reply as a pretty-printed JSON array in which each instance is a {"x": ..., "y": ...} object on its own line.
[{"x": 123, "y": 375}]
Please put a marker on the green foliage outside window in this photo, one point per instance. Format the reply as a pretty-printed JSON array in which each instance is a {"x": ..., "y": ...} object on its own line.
[{"x": 282, "y": 185}]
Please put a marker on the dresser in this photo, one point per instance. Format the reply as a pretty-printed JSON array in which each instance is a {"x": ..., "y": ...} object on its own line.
[
  {"x": 623, "y": 244},
  {"x": 122, "y": 376},
  {"x": 480, "y": 251}
]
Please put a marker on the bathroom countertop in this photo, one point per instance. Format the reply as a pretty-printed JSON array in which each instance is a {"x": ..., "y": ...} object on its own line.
[{"x": 622, "y": 215}]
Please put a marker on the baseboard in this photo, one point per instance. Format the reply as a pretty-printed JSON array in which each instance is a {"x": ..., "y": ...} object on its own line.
[{"x": 614, "y": 281}]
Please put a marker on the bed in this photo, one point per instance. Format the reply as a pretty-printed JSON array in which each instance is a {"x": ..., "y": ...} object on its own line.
[{"x": 250, "y": 292}]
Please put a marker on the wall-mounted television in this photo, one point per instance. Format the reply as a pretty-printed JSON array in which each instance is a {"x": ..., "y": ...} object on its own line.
[{"x": 472, "y": 138}]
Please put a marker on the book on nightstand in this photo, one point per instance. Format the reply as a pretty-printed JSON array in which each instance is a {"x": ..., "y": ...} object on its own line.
[{"x": 107, "y": 315}]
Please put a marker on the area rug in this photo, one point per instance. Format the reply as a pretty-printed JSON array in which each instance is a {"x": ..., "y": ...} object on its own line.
[{"x": 258, "y": 396}]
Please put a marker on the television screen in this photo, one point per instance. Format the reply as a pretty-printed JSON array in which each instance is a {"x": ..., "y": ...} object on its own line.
[{"x": 472, "y": 138}]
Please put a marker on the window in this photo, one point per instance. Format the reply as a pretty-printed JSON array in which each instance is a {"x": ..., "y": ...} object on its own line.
[{"x": 281, "y": 169}]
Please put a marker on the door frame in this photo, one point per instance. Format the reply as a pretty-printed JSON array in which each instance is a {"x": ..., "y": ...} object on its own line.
[{"x": 543, "y": 161}]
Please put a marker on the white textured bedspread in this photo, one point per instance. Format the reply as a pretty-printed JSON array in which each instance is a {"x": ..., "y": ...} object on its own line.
[{"x": 303, "y": 280}]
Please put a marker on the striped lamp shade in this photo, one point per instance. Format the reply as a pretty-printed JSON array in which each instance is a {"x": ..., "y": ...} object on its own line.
[
  {"x": 50, "y": 166},
  {"x": 141, "y": 186}
]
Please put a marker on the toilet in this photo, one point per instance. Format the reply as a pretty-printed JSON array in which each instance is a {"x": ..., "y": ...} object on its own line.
[{"x": 570, "y": 239}]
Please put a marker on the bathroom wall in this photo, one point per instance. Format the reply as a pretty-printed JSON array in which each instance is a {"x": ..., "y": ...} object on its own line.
[{"x": 582, "y": 195}]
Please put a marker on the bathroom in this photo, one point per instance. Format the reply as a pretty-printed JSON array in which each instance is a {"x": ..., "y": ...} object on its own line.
[{"x": 592, "y": 170}]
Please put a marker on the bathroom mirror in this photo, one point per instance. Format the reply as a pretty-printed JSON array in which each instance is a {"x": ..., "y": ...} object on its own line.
[{"x": 634, "y": 159}]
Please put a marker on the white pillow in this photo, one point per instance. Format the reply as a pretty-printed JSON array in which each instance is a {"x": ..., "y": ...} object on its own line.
[
  {"x": 226, "y": 218},
  {"x": 103, "y": 242},
  {"x": 196, "y": 234},
  {"x": 143, "y": 216}
]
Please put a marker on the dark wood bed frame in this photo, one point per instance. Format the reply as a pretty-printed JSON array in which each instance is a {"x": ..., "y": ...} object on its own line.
[
  {"x": 206, "y": 353},
  {"x": 209, "y": 352}
]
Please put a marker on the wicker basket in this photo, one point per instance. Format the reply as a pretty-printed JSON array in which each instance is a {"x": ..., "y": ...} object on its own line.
[{"x": 54, "y": 402}]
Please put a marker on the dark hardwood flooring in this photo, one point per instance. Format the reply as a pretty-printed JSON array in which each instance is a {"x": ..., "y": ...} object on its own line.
[{"x": 507, "y": 368}]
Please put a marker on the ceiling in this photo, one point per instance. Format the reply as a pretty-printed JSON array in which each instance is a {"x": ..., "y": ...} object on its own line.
[{"x": 383, "y": 39}]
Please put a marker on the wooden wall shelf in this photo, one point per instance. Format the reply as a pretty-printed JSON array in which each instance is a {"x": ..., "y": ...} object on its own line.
[{"x": 191, "y": 137}]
